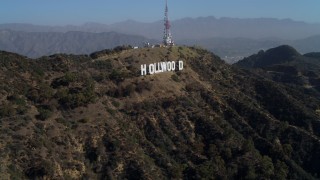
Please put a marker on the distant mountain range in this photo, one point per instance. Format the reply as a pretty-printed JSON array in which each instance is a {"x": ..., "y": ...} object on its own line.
[
  {"x": 230, "y": 38},
  {"x": 36, "y": 44},
  {"x": 193, "y": 28}
]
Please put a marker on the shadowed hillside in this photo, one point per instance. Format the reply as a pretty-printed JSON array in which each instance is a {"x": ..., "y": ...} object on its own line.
[
  {"x": 283, "y": 64},
  {"x": 272, "y": 56},
  {"x": 94, "y": 117}
]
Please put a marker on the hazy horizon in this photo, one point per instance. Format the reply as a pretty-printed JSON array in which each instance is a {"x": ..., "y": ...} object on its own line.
[
  {"x": 135, "y": 20},
  {"x": 108, "y": 12}
]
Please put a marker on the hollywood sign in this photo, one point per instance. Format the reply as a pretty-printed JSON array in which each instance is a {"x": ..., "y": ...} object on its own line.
[{"x": 160, "y": 67}]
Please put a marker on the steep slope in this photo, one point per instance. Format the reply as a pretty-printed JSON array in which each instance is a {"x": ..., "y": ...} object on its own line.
[{"x": 73, "y": 117}]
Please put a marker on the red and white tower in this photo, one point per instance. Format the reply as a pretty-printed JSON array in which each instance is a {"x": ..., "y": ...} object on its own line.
[{"x": 167, "y": 37}]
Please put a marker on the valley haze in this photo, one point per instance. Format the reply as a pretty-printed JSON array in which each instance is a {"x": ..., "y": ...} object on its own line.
[{"x": 230, "y": 38}]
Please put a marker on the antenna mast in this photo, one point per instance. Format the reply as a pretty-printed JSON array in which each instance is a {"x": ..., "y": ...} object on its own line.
[{"x": 167, "y": 37}]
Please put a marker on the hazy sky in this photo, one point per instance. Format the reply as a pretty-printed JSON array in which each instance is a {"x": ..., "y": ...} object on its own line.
[{"x": 61, "y": 12}]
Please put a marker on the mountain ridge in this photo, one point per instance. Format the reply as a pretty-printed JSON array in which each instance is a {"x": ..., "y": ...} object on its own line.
[
  {"x": 230, "y": 49},
  {"x": 36, "y": 44},
  {"x": 230, "y": 38},
  {"x": 204, "y": 27}
]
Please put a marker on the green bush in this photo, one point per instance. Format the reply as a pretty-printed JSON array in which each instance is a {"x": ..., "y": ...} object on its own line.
[
  {"x": 267, "y": 168},
  {"x": 43, "y": 114},
  {"x": 118, "y": 75},
  {"x": 14, "y": 172},
  {"x": 144, "y": 85},
  {"x": 68, "y": 78},
  {"x": 43, "y": 92},
  {"x": 129, "y": 90},
  {"x": 115, "y": 103},
  {"x": 76, "y": 96},
  {"x": 111, "y": 111},
  {"x": 7, "y": 110},
  {"x": 84, "y": 120},
  {"x": 102, "y": 65},
  {"x": 38, "y": 71},
  {"x": 99, "y": 77},
  {"x": 64, "y": 122},
  {"x": 17, "y": 100},
  {"x": 72, "y": 100},
  {"x": 287, "y": 149},
  {"x": 281, "y": 170},
  {"x": 175, "y": 78},
  {"x": 22, "y": 109}
]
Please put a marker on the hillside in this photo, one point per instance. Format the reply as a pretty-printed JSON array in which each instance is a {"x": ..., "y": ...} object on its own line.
[
  {"x": 94, "y": 117},
  {"x": 36, "y": 44},
  {"x": 285, "y": 65},
  {"x": 277, "y": 55}
]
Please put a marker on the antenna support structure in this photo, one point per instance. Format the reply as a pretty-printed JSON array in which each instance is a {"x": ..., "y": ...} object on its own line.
[{"x": 167, "y": 36}]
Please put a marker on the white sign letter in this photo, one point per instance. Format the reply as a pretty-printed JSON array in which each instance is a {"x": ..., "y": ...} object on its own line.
[
  {"x": 180, "y": 65},
  {"x": 143, "y": 69},
  {"x": 151, "y": 69},
  {"x": 157, "y": 67},
  {"x": 163, "y": 66},
  {"x": 169, "y": 67},
  {"x": 173, "y": 65}
]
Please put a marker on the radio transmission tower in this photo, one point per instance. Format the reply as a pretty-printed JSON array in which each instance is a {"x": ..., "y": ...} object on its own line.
[{"x": 167, "y": 37}]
